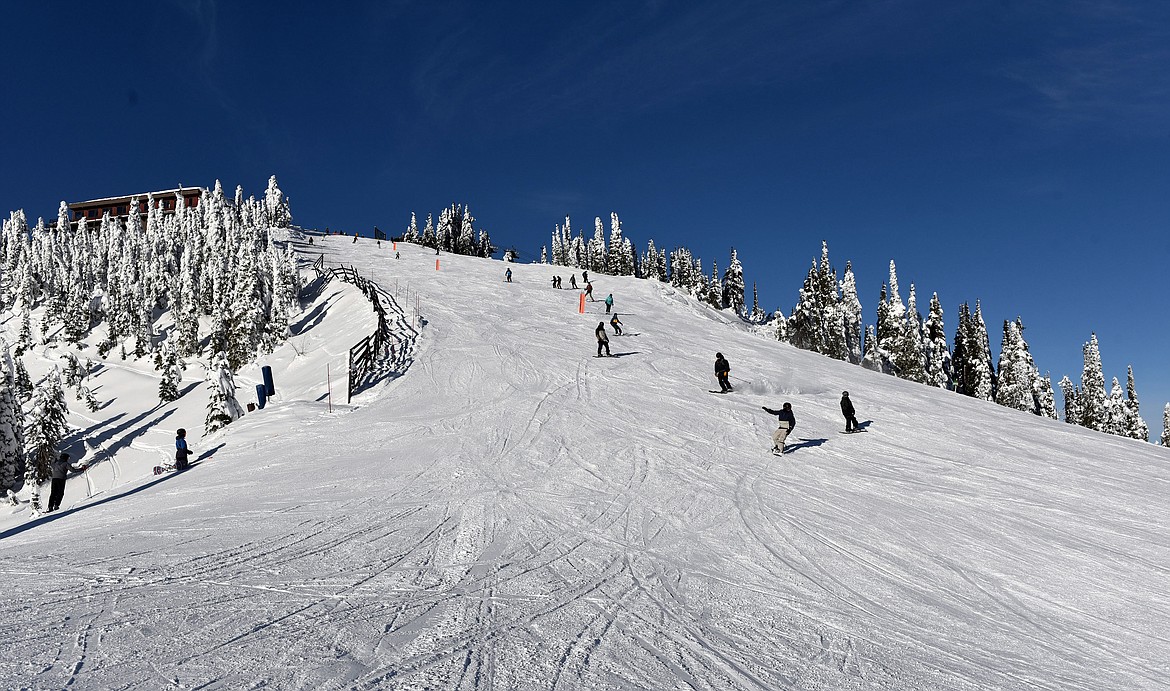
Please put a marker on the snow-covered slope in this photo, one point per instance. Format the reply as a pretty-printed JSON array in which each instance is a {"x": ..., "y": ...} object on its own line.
[{"x": 513, "y": 513}]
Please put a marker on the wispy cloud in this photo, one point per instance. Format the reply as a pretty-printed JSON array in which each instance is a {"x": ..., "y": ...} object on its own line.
[{"x": 1101, "y": 64}]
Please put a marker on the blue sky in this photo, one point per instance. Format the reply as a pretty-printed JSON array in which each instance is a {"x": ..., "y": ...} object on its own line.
[{"x": 1012, "y": 152}]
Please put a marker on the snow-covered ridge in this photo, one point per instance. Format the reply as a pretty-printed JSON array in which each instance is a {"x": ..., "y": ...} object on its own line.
[{"x": 515, "y": 513}]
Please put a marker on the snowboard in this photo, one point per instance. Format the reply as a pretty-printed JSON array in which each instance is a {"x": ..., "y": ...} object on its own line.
[{"x": 714, "y": 391}]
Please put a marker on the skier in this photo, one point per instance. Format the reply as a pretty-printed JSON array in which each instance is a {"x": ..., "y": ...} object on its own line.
[
  {"x": 181, "y": 450},
  {"x": 722, "y": 369},
  {"x": 554, "y": 281},
  {"x": 355, "y": 237},
  {"x": 616, "y": 324},
  {"x": 787, "y": 424},
  {"x": 585, "y": 276},
  {"x": 396, "y": 256},
  {"x": 602, "y": 339},
  {"x": 508, "y": 275},
  {"x": 589, "y": 292},
  {"x": 848, "y": 412},
  {"x": 573, "y": 281},
  {"x": 58, "y": 471},
  {"x": 608, "y": 303}
]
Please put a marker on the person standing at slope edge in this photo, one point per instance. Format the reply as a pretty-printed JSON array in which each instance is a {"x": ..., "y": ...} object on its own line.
[
  {"x": 787, "y": 424},
  {"x": 508, "y": 276},
  {"x": 58, "y": 471},
  {"x": 602, "y": 339},
  {"x": 848, "y": 412},
  {"x": 722, "y": 369}
]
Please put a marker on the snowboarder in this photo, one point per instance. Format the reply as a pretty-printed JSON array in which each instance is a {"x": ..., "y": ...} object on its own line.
[
  {"x": 848, "y": 412},
  {"x": 787, "y": 424},
  {"x": 602, "y": 339},
  {"x": 585, "y": 276},
  {"x": 573, "y": 281},
  {"x": 508, "y": 276},
  {"x": 554, "y": 281},
  {"x": 608, "y": 303},
  {"x": 616, "y": 324},
  {"x": 722, "y": 369},
  {"x": 589, "y": 292},
  {"x": 58, "y": 471},
  {"x": 396, "y": 256},
  {"x": 355, "y": 237},
  {"x": 181, "y": 450}
]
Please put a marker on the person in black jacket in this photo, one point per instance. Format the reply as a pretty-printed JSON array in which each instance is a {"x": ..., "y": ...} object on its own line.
[
  {"x": 602, "y": 339},
  {"x": 787, "y": 424},
  {"x": 58, "y": 471},
  {"x": 722, "y": 369},
  {"x": 848, "y": 412}
]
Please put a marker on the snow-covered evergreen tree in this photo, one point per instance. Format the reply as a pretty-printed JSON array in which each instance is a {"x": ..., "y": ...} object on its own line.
[
  {"x": 1015, "y": 388},
  {"x": 1166, "y": 425},
  {"x": 1093, "y": 399},
  {"x": 411, "y": 234},
  {"x": 875, "y": 358},
  {"x": 172, "y": 373},
  {"x": 23, "y": 383},
  {"x": 1046, "y": 399},
  {"x": 222, "y": 407},
  {"x": 757, "y": 316},
  {"x": 979, "y": 358},
  {"x": 1073, "y": 413},
  {"x": 805, "y": 329},
  {"x": 938, "y": 353},
  {"x": 733, "y": 287},
  {"x": 910, "y": 356},
  {"x": 11, "y": 424},
  {"x": 46, "y": 427},
  {"x": 276, "y": 206},
  {"x": 851, "y": 311},
  {"x": 1133, "y": 426}
]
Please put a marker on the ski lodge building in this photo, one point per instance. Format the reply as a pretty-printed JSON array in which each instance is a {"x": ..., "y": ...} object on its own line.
[{"x": 119, "y": 207}]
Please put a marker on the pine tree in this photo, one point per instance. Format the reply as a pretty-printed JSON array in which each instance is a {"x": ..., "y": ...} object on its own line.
[
  {"x": 22, "y": 382},
  {"x": 1073, "y": 413},
  {"x": 938, "y": 353},
  {"x": 172, "y": 373},
  {"x": 733, "y": 287},
  {"x": 46, "y": 428},
  {"x": 1046, "y": 399},
  {"x": 851, "y": 312},
  {"x": 979, "y": 358},
  {"x": 757, "y": 315},
  {"x": 222, "y": 407},
  {"x": 804, "y": 324},
  {"x": 11, "y": 425},
  {"x": 910, "y": 355},
  {"x": 617, "y": 259},
  {"x": 1093, "y": 400},
  {"x": 1133, "y": 426},
  {"x": 1166, "y": 425},
  {"x": 411, "y": 234},
  {"x": 275, "y": 205},
  {"x": 1015, "y": 384}
]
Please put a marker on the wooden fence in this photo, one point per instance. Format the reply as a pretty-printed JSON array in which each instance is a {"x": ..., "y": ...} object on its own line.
[{"x": 389, "y": 350}]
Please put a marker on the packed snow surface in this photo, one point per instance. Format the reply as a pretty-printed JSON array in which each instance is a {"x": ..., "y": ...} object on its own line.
[{"x": 508, "y": 511}]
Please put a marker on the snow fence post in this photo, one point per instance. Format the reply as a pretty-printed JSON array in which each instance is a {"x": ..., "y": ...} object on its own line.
[
  {"x": 581, "y": 309},
  {"x": 261, "y": 398},
  {"x": 269, "y": 385}
]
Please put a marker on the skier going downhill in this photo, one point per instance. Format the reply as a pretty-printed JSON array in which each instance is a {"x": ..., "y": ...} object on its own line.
[
  {"x": 602, "y": 339},
  {"x": 722, "y": 369},
  {"x": 848, "y": 412},
  {"x": 787, "y": 424}
]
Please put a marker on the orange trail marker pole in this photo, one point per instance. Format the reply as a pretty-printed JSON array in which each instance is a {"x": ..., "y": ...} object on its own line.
[
  {"x": 581, "y": 309},
  {"x": 395, "y": 245},
  {"x": 436, "y": 265}
]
